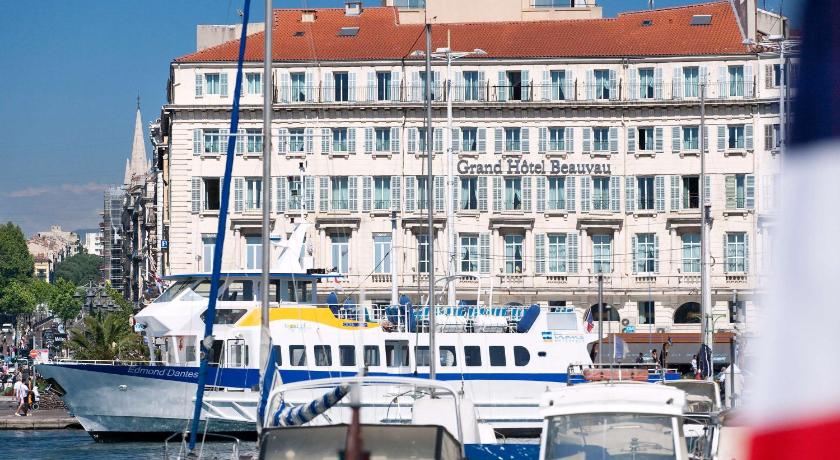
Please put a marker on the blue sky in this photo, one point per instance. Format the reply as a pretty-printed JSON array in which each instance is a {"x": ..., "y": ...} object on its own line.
[{"x": 71, "y": 74}]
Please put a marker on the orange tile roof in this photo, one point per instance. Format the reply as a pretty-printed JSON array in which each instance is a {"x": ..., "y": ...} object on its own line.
[{"x": 381, "y": 36}]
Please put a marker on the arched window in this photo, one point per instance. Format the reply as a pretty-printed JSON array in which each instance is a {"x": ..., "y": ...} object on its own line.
[
  {"x": 609, "y": 312},
  {"x": 688, "y": 313}
]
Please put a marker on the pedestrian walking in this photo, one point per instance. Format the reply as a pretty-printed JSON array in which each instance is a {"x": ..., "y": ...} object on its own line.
[{"x": 20, "y": 396}]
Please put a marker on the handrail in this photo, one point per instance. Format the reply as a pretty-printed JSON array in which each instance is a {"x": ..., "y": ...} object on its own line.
[{"x": 106, "y": 362}]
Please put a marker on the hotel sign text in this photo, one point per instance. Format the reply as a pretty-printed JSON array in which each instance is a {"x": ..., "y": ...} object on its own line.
[{"x": 519, "y": 166}]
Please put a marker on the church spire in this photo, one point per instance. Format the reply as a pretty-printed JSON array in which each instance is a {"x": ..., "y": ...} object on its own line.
[
  {"x": 139, "y": 160},
  {"x": 127, "y": 176}
]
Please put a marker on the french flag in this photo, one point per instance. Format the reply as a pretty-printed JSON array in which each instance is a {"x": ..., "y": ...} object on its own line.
[
  {"x": 794, "y": 407},
  {"x": 589, "y": 323}
]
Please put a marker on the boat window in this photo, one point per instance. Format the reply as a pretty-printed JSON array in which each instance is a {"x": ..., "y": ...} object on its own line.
[
  {"x": 323, "y": 355},
  {"x": 289, "y": 291},
  {"x": 396, "y": 354},
  {"x": 497, "y": 356},
  {"x": 472, "y": 356},
  {"x": 610, "y": 435},
  {"x": 237, "y": 353},
  {"x": 215, "y": 357},
  {"x": 278, "y": 355},
  {"x": 238, "y": 291},
  {"x": 447, "y": 356},
  {"x": 371, "y": 355},
  {"x": 421, "y": 355},
  {"x": 226, "y": 316},
  {"x": 297, "y": 355},
  {"x": 347, "y": 355},
  {"x": 521, "y": 356},
  {"x": 197, "y": 291},
  {"x": 173, "y": 291}
]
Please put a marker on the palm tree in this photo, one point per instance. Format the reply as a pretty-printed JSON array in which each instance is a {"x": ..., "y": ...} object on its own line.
[{"x": 105, "y": 337}]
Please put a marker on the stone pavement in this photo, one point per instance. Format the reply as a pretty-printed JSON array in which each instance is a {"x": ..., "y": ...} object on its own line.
[{"x": 37, "y": 420}]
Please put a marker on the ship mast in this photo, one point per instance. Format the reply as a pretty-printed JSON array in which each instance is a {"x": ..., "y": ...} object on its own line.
[
  {"x": 430, "y": 202},
  {"x": 265, "y": 334}
]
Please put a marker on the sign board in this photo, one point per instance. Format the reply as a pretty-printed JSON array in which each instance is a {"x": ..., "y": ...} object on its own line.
[
  {"x": 39, "y": 356},
  {"x": 523, "y": 167},
  {"x": 164, "y": 244}
]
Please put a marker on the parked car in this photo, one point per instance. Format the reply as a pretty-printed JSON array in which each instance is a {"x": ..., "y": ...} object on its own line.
[{"x": 7, "y": 328}]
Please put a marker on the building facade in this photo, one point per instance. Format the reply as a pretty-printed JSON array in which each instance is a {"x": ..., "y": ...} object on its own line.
[
  {"x": 576, "y": 152},
  {"x": 49, "y": 248}
]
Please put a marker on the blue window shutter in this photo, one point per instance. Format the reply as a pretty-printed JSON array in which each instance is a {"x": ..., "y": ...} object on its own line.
[
  {"x": 412, "y": 140},
  {"x": 500, "y": 140},
  {"x": 367, "y": 194},
  {"x": 748, "y": 135},
  {"x": 484, "y": 252},
  {"x": 526, "y": 194},
  {"x": 613, "y": 137},
  {"x": 395, "y": 140},
  {"x": 630, "y": 193},
  {"x": 675, "y": 193},
  {"x": 309, "y": 140},
  {"x": 324, "y": 193},
  {"x": 570, "y": 194},
  {"x": 497, "y": 194},
  {"x": 572, "y": 252},
  {"x": 223, "y": 84},
  {"x": 587, "y": 140},
  {"x": 368, "y": 140},
  {"x": 526, "y": 142},
  {"x": 482, "y": 193},
  {"x": 309, "y": 193},
  {"x": 351, "y": 86},
  {"x": 309, "y": 92},
  {"x": 196, "y": 195},
  {"x": 570, "y": 140},
  {"x": 482, "y": 140},
  {"x": 198, "y": 138},
  {"x": 659, "y": 186},
  {"x": 540, "y": 193},
  {"x": 656, "y": 253},
  {"x": 326, "y": 140},
  {"x": 353, "y": 189},
  {"x": 280, "y": 199},
  {"x": 657, "y": 89},
  {"x": 371, "y": 86},
  {"x": 238, "y": 194},
  {"x": 409, "y": 193},
  {"x": 539, "y": 252},
  {"x": 199, "y": 85},
  {"x": 543, "y": 142},
  {"x": 631, "y": 140},
  {"x": 502, "y": 88},
  {"x": 675, "y": 139},
  {"x": 395, "y": 193},
  {"x": 351, "y": 140},
  {"x": 749, "y": 184},
  {"x": 634, "y": 244},
  {"x": 615, "y": 194},
  {"x": 658, "y": 134},
  {"x": 439, "y": 194},
  {"x": 721, "y": 138},
  {"x": 584, "y": 193}
]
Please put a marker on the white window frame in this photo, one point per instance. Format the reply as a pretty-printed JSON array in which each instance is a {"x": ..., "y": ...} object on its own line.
[{"x": 382, "y": 253}]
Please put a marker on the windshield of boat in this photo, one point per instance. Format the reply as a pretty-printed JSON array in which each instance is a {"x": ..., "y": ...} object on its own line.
[
  {"x": 192, "y": 289},
  {"x": 610, "y": 435}
]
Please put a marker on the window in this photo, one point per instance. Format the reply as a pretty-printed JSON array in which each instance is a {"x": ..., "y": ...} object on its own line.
[
  {"x": 556, "y": 139},
  {"x": 383, "y": 139},
  {"x": 212, "y": 193},
  {"x": 691, "y": 78},
  {"x": 602, "y": 84},
  {"x": 558, "y": 86},
  {"x": 513, "y": 253},
  {"x": 737, "y": 310},
  {"x": 341, "y": 89},
  {"x": 691, "y": 253},
  {"x": 421, "y": 356},
  {"x": 601, "y": 193},
  {"x": 772, "y": 137},
  {"x": 521, "y": 356},
  {"x": 346, "y": 355},
  {"x": 469, "y": 253},
  {"x": 423, "y": 85},
  {"x": 410, "y": 4},
  {"x": 383, "y": 86},
  {"x": 736, "y": 80},
  {"x": 736, "y": 137},
  {"x": 602, "y": 253},
  {"x": 601, "y": 136},
  {"x": 421, "y": 140},
  {"x": 381, "y": 193},
  {"x": 208, "y": 243},
  {"x": 295, "y": 193},
  {"x": 237, "y": 291},
  {"x": 371, "y": 355},
  {"x": 339, "y": 140},
  {"x": 297, "y": 355},
  {"x": 340, "y": 245},
  {"x": 253, "y": 252},
  {"x": 253, "y": 194},
  {"x": 691, "y": 137},
  {"x": 557, "y": 253},
  {"x": 556, "y": 193},
  {"x": 212, "y": 83},
  {"x": 645, "y": 253},
  {"x": 645, "y": 139},
  {"x": 323, "y": 355},
  {"x": 212, "y": 141},
  {"x": 513, "y": 194},
  {"x": 469, "y": 193},
  {"x": 469, "y": 139},
  {"x": 553, "y": 3},
  {"x": 396, "y": 353},
  {"x": 254, "y": 83},
  {"x": 423, "y": 253},
  {"x": 296, "y": 140},
  {"x": 472, "y": 355},
  {"x": 688, "y": 313},
  {"x": 645, "y": 192},
  {"x": 691, "y": 192},
  {"x": 422, "y": 193},
  {"x": 340, "y": 193},
  {"x": 776, "y": 76},
  {"x": 736, "y": 252},
  {"x": 736, "y": 191},
  {"x": 513, "y": 88},
  {"x": 497, "y": 355},
  {"x": 381, "y": 252},
  {"x": 298, "y": 86},
  {"x": 471, "y": 85},
  {"x": 513, "y": 139},
  {"x": 646, "y": 83},
  {"x": 254, "y": 139},
  {"x": 646, "y": 312},
  {"x": 447, "y": 356}
]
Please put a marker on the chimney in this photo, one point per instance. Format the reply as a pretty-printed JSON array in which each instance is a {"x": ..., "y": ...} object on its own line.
[
  {"x": 307, "y": 16},
  {"x": 352, "y": 8}
]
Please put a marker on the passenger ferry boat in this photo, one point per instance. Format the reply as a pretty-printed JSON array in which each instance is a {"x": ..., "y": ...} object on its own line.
[{"x": 501, "y": 357}]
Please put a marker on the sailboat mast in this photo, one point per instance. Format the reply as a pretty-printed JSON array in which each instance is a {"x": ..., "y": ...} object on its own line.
[
  {"x": 430, "y": 202},
  {"x": 265, "y": 335}
]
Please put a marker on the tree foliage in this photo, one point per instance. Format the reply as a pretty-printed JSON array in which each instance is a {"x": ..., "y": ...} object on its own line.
[
  {"x": 16, "y": 263},
  {"x": 17, "y": 298},
  {"x": 106, "y": 337},
  {"x": 80, "y": 269},
  {"x": 62, "y": 300}
]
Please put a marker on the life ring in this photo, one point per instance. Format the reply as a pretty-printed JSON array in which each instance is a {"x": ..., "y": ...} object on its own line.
[{"x": 180, "y": 343}]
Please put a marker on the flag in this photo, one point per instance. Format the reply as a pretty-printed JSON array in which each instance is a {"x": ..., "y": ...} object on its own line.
[
  {"x": 794, "y": 400},
  {"x": 589, "y": 324}
]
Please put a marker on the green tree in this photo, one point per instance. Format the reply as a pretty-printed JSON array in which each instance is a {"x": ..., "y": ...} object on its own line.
[
  {"x": 106, "y": 337},
  {"x": 63, "y": 302},
  {"x": 80, "y": 269},
  {"x": 16, "y": 262},
  {"x": 41, "y": 290},
  {"x": 17, "y": 299}
]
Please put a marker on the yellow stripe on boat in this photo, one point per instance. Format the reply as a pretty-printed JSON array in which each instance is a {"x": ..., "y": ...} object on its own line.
[{"x": 313, "y": 315}]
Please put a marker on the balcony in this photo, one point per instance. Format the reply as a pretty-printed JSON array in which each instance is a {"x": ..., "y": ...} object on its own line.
[{"x": 380, "y": 278}]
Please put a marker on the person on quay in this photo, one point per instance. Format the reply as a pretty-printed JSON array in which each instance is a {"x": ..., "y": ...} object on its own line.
[{"x": 21, "y": 391}]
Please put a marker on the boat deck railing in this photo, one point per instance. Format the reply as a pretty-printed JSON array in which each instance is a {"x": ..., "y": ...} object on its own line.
[{"x": 107, "y": 362}]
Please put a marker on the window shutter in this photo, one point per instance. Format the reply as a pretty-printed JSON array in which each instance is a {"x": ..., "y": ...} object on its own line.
[
  {"x": 351, "y": 86},
  {"x": 353, "y": 189},
  {"x": 238, "y": 194},
  {"x": 351, "y": 140},
  {"x": 502, "y": 87},
  {"x": 584, "y": 193},
  {"x": 196, "y": 195},
  {"x": 587, "y": 140},
  {"x": 706, "y": 147},
  {"x": 570, "y": 140},
  {"x": 749, "y": 184},
  {"x": 746, "y": 252},
  {"x": 634, "y": 244},
  {"x": 656, "y": 253},
  {"x": 456, "y": 140},
  {"x": 324, "y": 194},
  {"x": 437, "y": 86},
  {"x": 569, "y": 92},
  {"x": 199, "y": 85},
  {"x": 482, "y": 140},
  {"x": 629, "y": 193},
  {"x": 768, "y": 76},
  {"x": 570, "y": 194},
  {"x": 526, "y": 86},
  {"x": 310, "y": 142},
  {"x": 526, "y": 139},
  {"x": 439, "y": 195},
  {"x": 539, "y": 252},
  {"x": 632, "y": 88},
  {"x": 368, "y": 140},
  {"x": 482, "y": 86},
  {"x": 280, "y": 199},
  {"x": 675, "y": 139},
  {"x": 748, "y": 136},
  {"x": 540, "y": 193},
  {"x": 730, "y": 192},
  {"x": 497, "y": 194},
  {"x": 326, "y": 137},
  {"x": 613, "y": 140},
  {"x": 409, "y": 193},
  {"x": 438, "y": 139},
  {"x": 285, "y": 87},
  {"x": 657, "y": 82},
  {"x": 526, "y": 194},
  {"x": 395, "y": 140},
  {"x": 395, "y": 193},
  {"x": 367, "y": 194},
  {"x": 749, "y": 85},
  {"x": 309, "y": 193},
  {"x": 500, "y": 140},
  {"x": 726, "y": 252},
  {"x": 615, "y": 194},
  {"x": 310, "y": 86},
  {"x": 240, "y": 141},
  {"x": 676, "y": 83},
  {"x": 707, "y": 189},
  {"x": 412, "y": 140},
  {"x": 658, "y": 141},
  {"x": 415, "y": 84},
  {"x": 223, "y": 84},
  {"x": 546, "y": 85},
  {"x": 482, "y": 193},
  {"x": 224, "y": 136},
  {"x": 675, "y": 193},
  {"x": 572, "y": 252},
  {"x": 631, "y": 140},
  {"x": 328, "y": 87},
  {"x": 543, "y": 142},
  {"x": 590, "y": 84},
  {"x": 283, "y": 144},
  {"x": 613, "y": 85},
  {"x": 198, "y": 137},
  {"x": 723, "y": 89},
  {"x": 396, "y": 85},
  {"x": 456, "y": 189},
  {"x": 458, "y": 86},
  {"x": 659, "y": 186},
  {"x": 721, "y": 138},
  {"x": 768, "y": 138},
  {"x": 484, "y": 252},
  {"x": 371, "y": 86}
]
